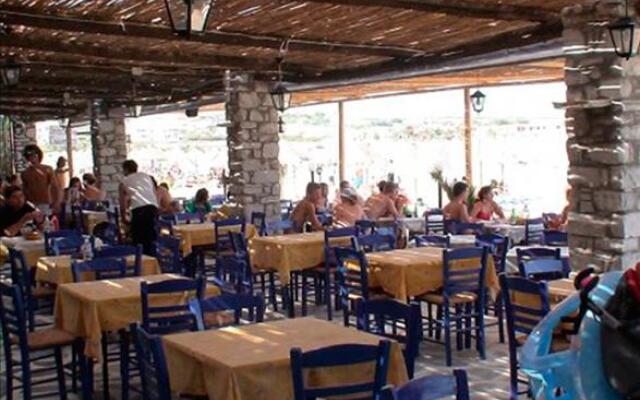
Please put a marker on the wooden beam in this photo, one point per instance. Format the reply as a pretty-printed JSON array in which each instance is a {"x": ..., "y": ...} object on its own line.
[
  {"x": 217, "y": 37},
  {"x": 145, "y": 55},
  {"x": 93, "y": 69},
  {"x": 468, "y": 138},
  {"x": 459, "y": 8},
  {"x": 341, "y": 142},
  {"x": 68, "y": 133}
]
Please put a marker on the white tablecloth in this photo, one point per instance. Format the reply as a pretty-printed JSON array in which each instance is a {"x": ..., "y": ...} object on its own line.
[{"x": 516, "y": 233}]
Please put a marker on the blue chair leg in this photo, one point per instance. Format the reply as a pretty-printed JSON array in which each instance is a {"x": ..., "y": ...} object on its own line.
[
  {"x": 459, "y": 331},
  {"x": 513, "y": 374},
  {"x": 272, "y": 291},
  {"x": 62, "y": 387},
  {"x": 447, "y": 334},
  {"x": 124, "y": 364},
  {"x": 439, "y": 318},
  {"x": 327, "y": 295},
  {"x": 26, "y": 379},
  {"x": 480, "y": 343},
  {"x": 499, "y": 304},
  {"x": 105, "y": 365},
  {"x": 304, "y": 289},
  {"x": 430, "y": 319},
  {"x": 9, "y": 375},
  {"x": 468, "y": 309}
]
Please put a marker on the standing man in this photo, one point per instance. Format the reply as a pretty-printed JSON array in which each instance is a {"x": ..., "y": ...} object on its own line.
[
  {"x": 39, "y": 183},
  {"x": 137, "y": 192}
]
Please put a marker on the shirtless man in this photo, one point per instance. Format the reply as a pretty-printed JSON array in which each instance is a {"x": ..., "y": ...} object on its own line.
[
  {"x": 305, "y": 210},
  {"x": 39, "y": 183},
  {"x": 382, "y": 205}
]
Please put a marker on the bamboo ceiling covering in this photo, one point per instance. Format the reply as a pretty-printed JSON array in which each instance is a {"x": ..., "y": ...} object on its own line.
[{"x": 87, "y": 48}]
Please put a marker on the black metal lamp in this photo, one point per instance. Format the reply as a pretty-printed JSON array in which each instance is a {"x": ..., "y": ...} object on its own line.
[
  {"x": 10, "y": 72},
  {"x": 280, "y": 96},
  {"x": 477, "y": 101},
  {"x": 622, "y": 33},
  {"x": 189, "y": 16}
]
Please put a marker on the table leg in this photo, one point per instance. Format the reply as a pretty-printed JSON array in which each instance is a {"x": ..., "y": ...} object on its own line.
[{"x": 287, "y": 300}]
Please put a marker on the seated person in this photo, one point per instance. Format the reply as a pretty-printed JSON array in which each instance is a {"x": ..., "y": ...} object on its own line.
[
  {"x": 200, "y": 204},
  {"x": 305, "y": 210},
  {"x": 322, "y": 205},
  {"x": 343, "y": 186},
  {"x": 91, "y": 190},
  {"x": 485, "y": 207},
  {"x": 560, "y": 223},
  {"x": 401, "y": 202},
  {"x": 457, "y": 207},
  {"x": 382, "y": 205},
  {"x": 16, "y": 212},
  {"x": 349, "y": 210},
  {"x": 74, "y": 193},
  {"x": 166, "y": 204}
]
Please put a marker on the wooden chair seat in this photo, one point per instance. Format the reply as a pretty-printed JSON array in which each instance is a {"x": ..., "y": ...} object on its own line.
[
  {"x": 559, "y": 343},
  {"x": 46, "y": 338},
  {"x": 42, "y": 292},
  {"x": 218, "y": 319},
  {"x": 460, "y": 298}
]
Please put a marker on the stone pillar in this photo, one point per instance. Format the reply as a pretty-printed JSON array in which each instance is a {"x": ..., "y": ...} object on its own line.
[
  {"x": 252, "y": 139},
  {"x": 603, "y": 125},
  {"x": 23, "y": 135},
  {"x": 109, "y": 147}
]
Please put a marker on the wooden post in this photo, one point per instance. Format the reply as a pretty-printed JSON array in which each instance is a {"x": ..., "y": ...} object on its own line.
[
  {"x": 68, "y": 131},
  {"x": 468, "y": 138},
  {"x": 341, "y": 146}
]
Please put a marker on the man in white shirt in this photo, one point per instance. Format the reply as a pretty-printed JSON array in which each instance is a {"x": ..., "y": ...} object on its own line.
[{"x": 137, "y": 192}]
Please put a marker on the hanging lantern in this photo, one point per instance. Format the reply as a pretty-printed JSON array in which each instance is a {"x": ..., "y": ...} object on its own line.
[
  {"x": 477, "y": 101},
  {"x": 622, "y": 32},
  {"x": 10, "y": 72},
  {"x": 189, "y": 16},
  {"x": 281, "y": 99}
]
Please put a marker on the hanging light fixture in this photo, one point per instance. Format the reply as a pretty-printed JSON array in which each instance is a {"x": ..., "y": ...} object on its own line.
[
  {"x": 135, "y": 110},
  {"x": 280, "y": 95},
  {"x": 66, "y": 100},
  {"x": 622, "y": 34},
  {"x": 10, "y": 72},
  {"x": 189, "y": 16},
  {"x": 477, "y": 101}
]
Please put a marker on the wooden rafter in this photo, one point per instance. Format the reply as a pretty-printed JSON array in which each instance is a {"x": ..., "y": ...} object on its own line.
[
  {"x": 211, "y": 37},
  {"x": 460, "y": 8}
]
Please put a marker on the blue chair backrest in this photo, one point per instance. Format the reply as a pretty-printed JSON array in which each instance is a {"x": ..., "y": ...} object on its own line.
[
  {"x": 432, "y": 387},
  {"x": 442, "y": 241},
  {"x": 366, "y": 227},
  {"x": 526, "y": 303},
  {"x": 342, "y": 355},
  {"x": 153, "y": 366},
  {"x": 188, "y": 218},
  {"x": 103, "y": 268},
  {"x": 174, "y": 315},
  {"x": 533, "y": 231},
  {"x": 222, "y": 228},
  {"x": 353, "y": 274},
  {"x": 123, "y": 251},
  {"x": 386, "y": 317},
  {"x": 72, "y": 241},
  {"x": 259, "y": 220},
  {"x": 165, "y": 225},
  {"x": 96, "y": 205},
  {"x": 77, "y": 219},
  {"x": 254, "y": 304},
  {"x": 498, "y": 247},
  {"x": 543, "y": 269},
  {"x": 238, "y": 244},
  {"x": 21, "y": 273},
  {"x": 168, "y": 254},
  {"x": 329, "y": 255},
  {"x": 217, "y": 199},
  {"x": 13, "y": 320},
  {"x": 233, "y": 274},
  {"x": 464, "y": 228},
  {"x": 537, "y": 253},
  {"x": 556, "y": 238},
  {"x": 374, "y": 242},
  {"x": 464, "y": 271},
  {"x": 434, "y": 222},
  {"x": 279, "y": 227}
]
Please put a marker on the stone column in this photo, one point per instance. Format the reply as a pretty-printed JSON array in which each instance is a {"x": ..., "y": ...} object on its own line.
[
  {"x": 23, "y": 135},
  {"x": 603, "y": 125},
  {"x": 109, "y": 147},
  {"x": 252, "y": 139}
]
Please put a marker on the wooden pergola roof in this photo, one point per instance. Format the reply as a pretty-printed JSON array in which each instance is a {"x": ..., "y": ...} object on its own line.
[{"x": 88, "y": 48}]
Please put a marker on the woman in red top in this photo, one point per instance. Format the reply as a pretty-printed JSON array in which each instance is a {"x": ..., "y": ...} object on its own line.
[{"x": 485, "y": 207}]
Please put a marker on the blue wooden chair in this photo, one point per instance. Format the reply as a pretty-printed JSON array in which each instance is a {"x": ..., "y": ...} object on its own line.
[
  {"x": 221, "y": 230},
  {"x": 208, "y": 311},
  {"x": 341, "y": 355},
  {"x": 169, "y": 256},
  {"x": 366, "y": 227},
  {"x": 543, "y": 269},
  {"x": 374, "y": 242},
  {"x": 123, "y": 251},
  {"x": 165, "y": 225},
  {"x": 394, "y": 320},
  {"x": 526, "y": 304},
  {"x": 352, "y": 279},
  {"x": 113, "y": 217},
  {"x": 154, "y": 374},
  {"x": 432, "y": 387},
  {"x": 434, "y": 222},
  {"x": 166, "y": 316},
  {"x": 233, "y": 275},
  {"x": 23, "y": 276},
  {"x": 64, "y": 241},
  {"x": 537, "y": 253},
  {"x": 96, "y": 205},
  {"x": 188, "y": 218},
  {"x": 442, "y": 241},
  {"x": 100, "y": 268},
  {"x": 279, "y": 227},
  {"x": 533, "y": 231},
  {"x": 556, "y": 238},
  {"x": 17, "y": 339},
  {"x": 498, "y": 247},
  {"x": 259, "y": 220},
  {"x": 330, "y": 263},
  {"x": 461, "y": 300}
]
